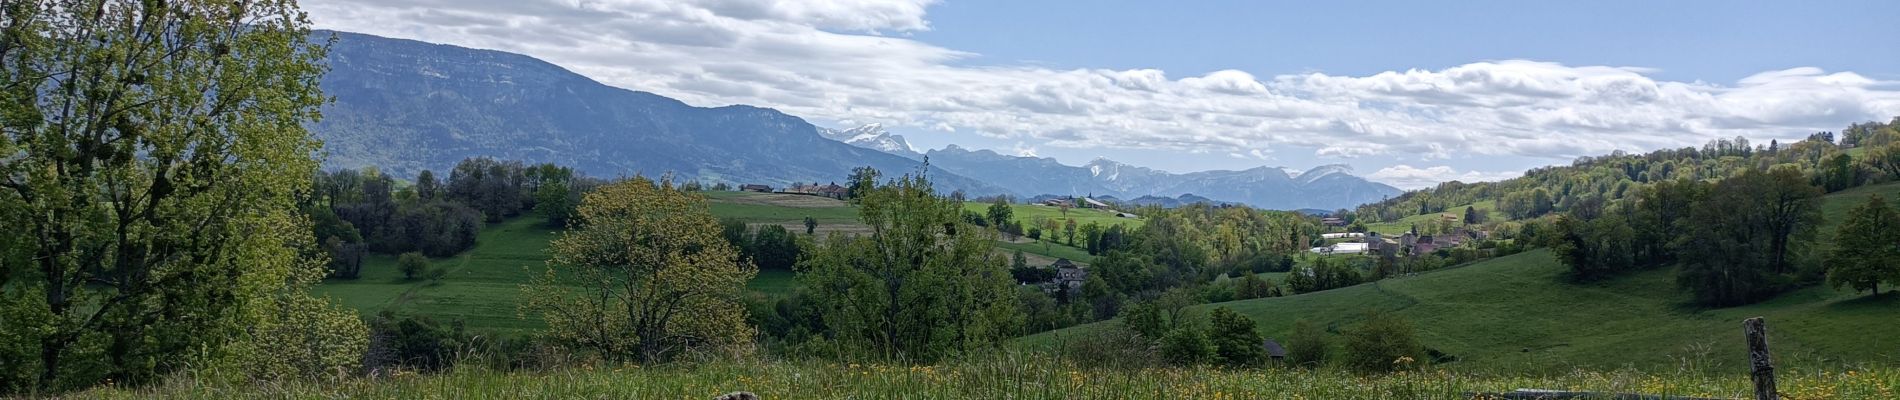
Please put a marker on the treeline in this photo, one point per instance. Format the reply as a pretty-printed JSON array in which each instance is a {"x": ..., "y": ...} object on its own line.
[
  {"x": 356, "y": 212},
  {"x": 1545, "y": 190},
  {"x": 1737, "y": 240}
]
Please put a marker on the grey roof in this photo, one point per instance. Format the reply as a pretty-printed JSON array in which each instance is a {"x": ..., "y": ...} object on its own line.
[{"x": 1274, "y": 350}]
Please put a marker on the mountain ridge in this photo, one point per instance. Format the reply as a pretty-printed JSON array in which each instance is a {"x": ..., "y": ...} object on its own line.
[{"x": 488, "y": 103}]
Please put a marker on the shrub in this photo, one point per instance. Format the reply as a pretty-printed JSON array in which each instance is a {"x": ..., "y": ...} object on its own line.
[
  {"x": 1187, "y": 345},
  {"x": 1308, "y": 346},
  {"x": 1383, "y": 343},
  {"x": 1236, "y": 341},
  {"x": 412, "y": 265}
]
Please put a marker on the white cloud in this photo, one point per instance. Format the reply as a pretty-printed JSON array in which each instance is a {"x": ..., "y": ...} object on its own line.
[
  {"x": 1408, "y": 177},
  {"x": 835, "y": 60}
]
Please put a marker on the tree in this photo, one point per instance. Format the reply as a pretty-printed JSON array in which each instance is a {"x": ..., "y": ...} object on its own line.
[
  {"x": 862, "y": 181},
  {"x": 1068, "y": 230},
  {"x": 1145, "y": 318},
  {"x": 153, "y": 152},
  {"x": 412, "y": 265},
  {"x": 1867, "y": 248},
  {"x": 811, "y": 225},
  {"x": 1236, "y": 341},
  {"x": 426, "y": 186},
  {"x": 773, "y": 248},
  {"x": 999, "y": 212},
  {"x": 1383, "y": 343},
  {"x": 1308, "y": 346},
  {"x": 1740, "y": 241},
  {"x": 1187, "y": 344},
  {"x": 920, "y": 285},
  {"x": 646, "y": 276},
  {"x": 1472, "y": 216}
]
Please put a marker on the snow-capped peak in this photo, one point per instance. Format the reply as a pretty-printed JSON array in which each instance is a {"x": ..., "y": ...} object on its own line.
[{"x": 870, "y": 136}]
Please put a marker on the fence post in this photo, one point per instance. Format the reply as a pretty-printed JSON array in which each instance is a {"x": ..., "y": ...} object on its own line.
[{"x": 1758, "y": 358}]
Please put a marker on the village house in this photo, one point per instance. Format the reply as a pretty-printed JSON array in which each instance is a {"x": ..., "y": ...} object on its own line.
[
  {"x": 755, "y": 188},
  {"x": 1059, "y": 202},
  {"x": 1069, "y": 277},
  {"x": 1345, "y": 235},
  {"x": 831, "y": 190},
  {"x": 1333, "y": 221}
]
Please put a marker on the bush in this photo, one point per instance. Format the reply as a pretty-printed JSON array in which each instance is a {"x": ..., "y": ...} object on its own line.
[
  {"x": 412, "y": 265},
  {"x": 1383, "y": 343},
  {"x": 1236, "y": 341},
  {"x": 414, "y": 342},
  {"x": 1309, "y": 346},
  {"x": 1187, "y": 345}
]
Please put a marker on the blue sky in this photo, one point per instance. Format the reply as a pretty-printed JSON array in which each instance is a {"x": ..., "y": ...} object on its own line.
[{"x": 1408, "y": 93}]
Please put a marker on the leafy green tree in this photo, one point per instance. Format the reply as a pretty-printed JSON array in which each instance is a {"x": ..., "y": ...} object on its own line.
[
  {"x": 1867, "y": 248},
  {"x": 1187, "y": 344},
  {"x": 920, "y": 285},
  {"x": 1068, "y": 229},
  {"x": 1251, "y": 286},
  {"x": 152, "y": 154},
  {"x": 1383, "y": 343},
  {"x": 1308, "y": 346},
  {"x": 427, "y": 188},
  {"x": 862, "y": 181},
  {"x": 1236, "y": 340},
  {"x": 413, "y": 265},
  {"x": 647, "y": 276},
  {"x": 1144, "y": 317},
  {"x": 1000, "y": 212},
  {"x": 811, "y": 225},
  {"x": 1741, "y": 240},
  {"x": 1472, "y": 216},
  {"x": 773, "y": 248},
  {"x": 556, "y": 202}
]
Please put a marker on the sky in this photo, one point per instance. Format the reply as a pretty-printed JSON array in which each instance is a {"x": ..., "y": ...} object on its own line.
[{"x": 1409, "y": 93}]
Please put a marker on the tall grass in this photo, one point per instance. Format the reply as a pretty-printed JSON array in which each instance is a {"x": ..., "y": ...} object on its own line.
[{"x": 1014, "y": 375}]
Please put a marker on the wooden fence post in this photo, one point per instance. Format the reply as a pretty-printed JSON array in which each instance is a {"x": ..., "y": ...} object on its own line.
[{"x": 1764, "y": 366}]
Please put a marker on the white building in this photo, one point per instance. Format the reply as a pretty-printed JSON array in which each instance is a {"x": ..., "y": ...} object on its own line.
[
  {"x": 1342, "y": 248},
  {"x": 1342, "y": 235}
]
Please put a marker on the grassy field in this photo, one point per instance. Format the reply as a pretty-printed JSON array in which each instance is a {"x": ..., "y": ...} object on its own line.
[
  {"x": 1516, "y": 313},
  {"x": 1027, "y": 213},
  {"x": 1399, "y": 227},
  {"x": 481, "y": 287},
  {"x": 483, "y": 284},
  {"x": 1003, "y": 377}
]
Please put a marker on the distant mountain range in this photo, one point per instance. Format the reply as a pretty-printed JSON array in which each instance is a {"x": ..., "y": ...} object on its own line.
[
  {"x": 404, "y": 106},
  {"x": 1328, "y": 187}
]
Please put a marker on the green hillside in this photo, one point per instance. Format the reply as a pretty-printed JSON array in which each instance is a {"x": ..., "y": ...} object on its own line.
[
  {"x": 1399, "y": 227},
  {"x": 1516, "y": 313},
  {"x": 481, "y": 287},
  {"x": 483, "y": 284}
]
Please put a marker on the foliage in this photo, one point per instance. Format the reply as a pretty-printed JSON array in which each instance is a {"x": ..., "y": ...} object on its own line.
[
  {"x": 645, "y": 277},
  {"x": 921, "y": 285},
  {"x": 1325, "y": 274},
  {"x": 1145, "y": 318},
  {"x": 1867, "y": 248},
  {"x": 152, "y": 150},
  {"x": 1383, "y": 343},
  {"x": 1187, "y": 344},
  {"x": 1236, "y": 341},
  {"x": 413, "y": 265},
  {"x": 1308, "y": 347},
  {"x": 1250, "y": 286},
  {"x": 811, "y": 225},
  {"x": 1742, "y": 242},
  {"x": 415, "y": 342}
]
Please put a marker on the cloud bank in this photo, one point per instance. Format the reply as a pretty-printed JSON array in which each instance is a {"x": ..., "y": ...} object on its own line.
[{"x": 850, "y": 60}]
